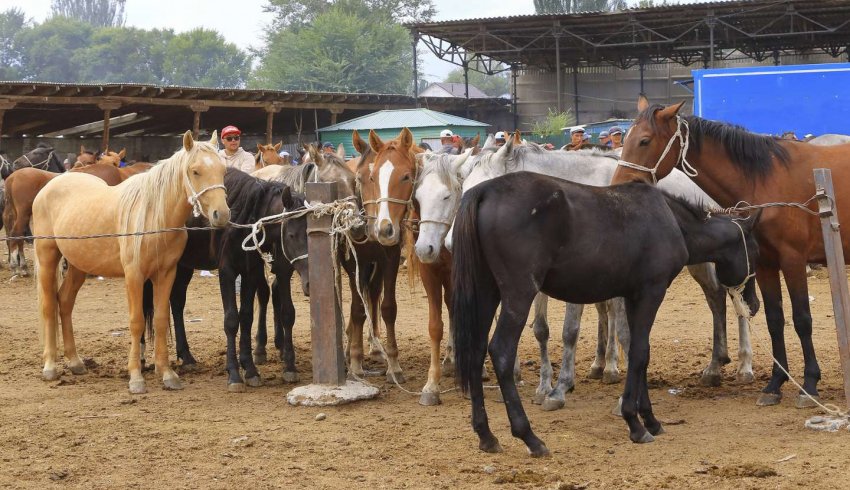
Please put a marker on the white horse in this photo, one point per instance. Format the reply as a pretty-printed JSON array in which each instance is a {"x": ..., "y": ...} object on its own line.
[
  {"x": 830, "y": 139},
  {"x": 438, "y": 200}
]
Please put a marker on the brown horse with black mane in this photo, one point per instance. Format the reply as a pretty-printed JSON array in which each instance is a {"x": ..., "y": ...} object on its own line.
[{"x": 732, "y": 165}]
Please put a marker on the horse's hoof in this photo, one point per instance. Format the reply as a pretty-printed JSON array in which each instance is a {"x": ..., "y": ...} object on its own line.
[
  {"x": 260, "y": 358},
  {"x": 803, "y": 401},
  {"x": 290, "y": 377},
  {"x": 657, "y": 432},
  {"x": 538, "y": 398},
  {"x": 172, "y": 384},
  {"x": 745, "y": 378},
  {"x": 610, "y": 377},
  {"x": 540, "y": 452},
  {"x": 138, "y": 387},
  {"x": 429, "y": 399},
  {"x": 395, "y": 377},
  {"x": 552, "y": 404},
  {"x": 595, "y": 373},
  {"x": 492, "y": 446},
  {"x": 644, "y": 439},
  {"x": 710, "y": 380},
  {"x": 769, "y": 399},
  {"x": 77, "y": 368},
  {"x": 190, "y": 367},
  {"x": 236, "y": 387},
  {"x": 50, "y": 374},
  {"x": 254, "y": 382}
]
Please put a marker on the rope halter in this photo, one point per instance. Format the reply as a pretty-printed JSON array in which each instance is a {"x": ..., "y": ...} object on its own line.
[
  {"x": 44, "y": 164},
  {"x": 194, "y": 197},
  {"x": 681, "y": 135},
  {"x": 737, "y": 292}
]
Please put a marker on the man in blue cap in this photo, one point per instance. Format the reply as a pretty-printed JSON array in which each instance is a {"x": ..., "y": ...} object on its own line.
[
  {"x": 328, "y": 147},
  {"x": 604, "y": 138},
  {"x": 616, "y": 133}
]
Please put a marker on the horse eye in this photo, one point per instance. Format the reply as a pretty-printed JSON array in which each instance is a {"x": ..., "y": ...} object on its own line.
[
  {"x": 405, "y": 178},
  {"x": 644, "y": 142},
  {"x": 196, "y": 174},
  {"x": 446, "y": 198},
  {"x": 371, "y": 179}
]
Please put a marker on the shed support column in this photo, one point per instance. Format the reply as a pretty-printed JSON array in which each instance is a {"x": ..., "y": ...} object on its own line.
[
  {"x": 334, "y": 114},
  {"x": 197, "y": 109},
  {"x": 711, "y": 21},
  {"x": 271, "y": 110},
  {"x": 642, "y": 67},
  {"x": 415, "y": 70},
  {"x": 107, "y": 107},
  {"x": 466, "y": 84},
  {"x": 2, "y": 115},
  {"x": 514, "y": 70},
  {"x": 575, "y": 90},
  {"x": 4, "y": 106},
  {"x": 557, "y": 35}
]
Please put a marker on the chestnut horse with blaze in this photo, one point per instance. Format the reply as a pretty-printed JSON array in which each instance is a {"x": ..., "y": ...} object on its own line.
[{"x": 732, "y": 165}]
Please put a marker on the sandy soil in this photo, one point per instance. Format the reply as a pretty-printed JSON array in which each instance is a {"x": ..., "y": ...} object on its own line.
[{"x": 87, "y": 431}]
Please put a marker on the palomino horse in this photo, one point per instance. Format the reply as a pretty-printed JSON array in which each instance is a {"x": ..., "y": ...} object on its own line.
[
  {"x": 42, "y": 157},
  {"x": 269, "y": 155},
  {"x": 580, "y": 244},
  {"x": 190, "y": 181},
  {"x": 21, "y": 188},
  {"x": 111, "y": 158},
  {"x": 84, "y": 158},
  {"x": 732, "y": 165}
]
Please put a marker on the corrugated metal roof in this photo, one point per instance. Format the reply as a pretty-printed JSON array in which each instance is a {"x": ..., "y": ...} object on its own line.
[{"x": 403, "y": 118}]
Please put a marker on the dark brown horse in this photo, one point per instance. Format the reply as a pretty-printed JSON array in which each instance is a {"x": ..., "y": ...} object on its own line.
[
  {"x": 733, "y": 165},
  {"x": 21, "y": 188}
]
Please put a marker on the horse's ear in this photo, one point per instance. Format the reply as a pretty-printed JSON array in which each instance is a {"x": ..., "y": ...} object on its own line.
[
  {"x": 517, "y": 137},
  {"x": 461, "y": 159},
  {"x": 82, "y": 149},
  {"x": 642, "y": 103},
  {"x": 359, "y": 145},
  {"x": 670, "y": 111},
  {"x": 340, "y": 151},
  {"x": 286, "y": 197},
  {"x": 475, "y": 139},
  {"x": 315, "y": 156},
  {"x": 277, "y": 146},
  {"x": 188, "y": 142},
  {"x": 375, "y": 142},
  {"x": 122, "y": 153},
  {"x": 506, "y": 149},
  {"x": 259, "y": 148},
  {"x": 406, "y": 138},
  {"x": 213, "y": 138}
]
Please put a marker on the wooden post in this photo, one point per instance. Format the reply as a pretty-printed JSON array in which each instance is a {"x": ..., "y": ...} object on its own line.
[
  {"x": 108, "y": 107},
  {"x": 197, "y": 109},
  {"x": 325, "y": 314},
  {"x": 837, "y": 274},
  {"x": 271, "y": 110},
  {"x": 2, "y": 115},
  {"x": 335, "y": 112}
]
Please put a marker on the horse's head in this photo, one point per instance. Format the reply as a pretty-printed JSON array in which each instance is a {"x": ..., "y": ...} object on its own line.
[
  {"x": 646, "y": 151},
  {"x": 387, "y": 187},
  {"x": 268, "y": 155},
  {"x": 205, "y": 178},
  {"x": 109, "y": 157},
  {"x": 294, "y": 236},
  {"x": 42, "y": 157},
  {"x": 85, "y": 158},
  {"x": 438, "y": 191},
  {"x": 736, "y": 261}
]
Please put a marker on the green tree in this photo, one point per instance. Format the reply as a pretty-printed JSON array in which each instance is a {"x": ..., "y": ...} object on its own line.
[
  {"x": 203, "y": 58},
  {"x": 300, "y": 13},
  {"x": 47, "y": 49},
  {"x": 347, "y": 48},
  {"x": 571, "y": 6},
  {"x": 96, "y": 13},
  {"x": 553, "y": 122},
  {"x": 12, "y": 22},
  {"x": 120, "y": 54},
  {"x": 492, "y": 85}
]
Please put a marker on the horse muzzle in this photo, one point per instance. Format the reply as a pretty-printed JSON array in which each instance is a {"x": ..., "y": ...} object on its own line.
[
  {"x": 219, "y": 217},
  {"x": 387, "y": 233}
]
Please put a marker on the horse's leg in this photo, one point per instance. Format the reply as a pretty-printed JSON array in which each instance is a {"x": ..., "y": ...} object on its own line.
[
  {"x": 434, "y": 290},
  {"x": 250, "y": 279},
  {"x": 389, "y": 310},
  {"x": 541, "y": 333},
  {"x": 503, "y": 351},
  {"x": 771, "y": 292},
  {"x": 74, "y": 279},
  {"x": 356, "y": 318},
  {"x": 486, "y": 305},
  {"x": 794, "y": 271},
  {"x": 18, "y": 259},
  {"x": 744, "y": 375},
  {"x": 260, "y": 355},
  {"x": 162, "y": 284},
  {"x": 178, "y": 303},
  {"x": 611, "y": 374},
  {"x": 448, "y": 364},
  {"x": 601, "y": 341},
  {"x": 556, "y": 398},
  {"x": 617, "y": 308},
  {"x": 134, "y": 283},
  {"x": 48, "y": 258},
  {"x": 283, "y": 293},
  {"x": 641, "y": 312},
  {"x": 227, "y": 284},
  {"x": 715, "y": 296}
]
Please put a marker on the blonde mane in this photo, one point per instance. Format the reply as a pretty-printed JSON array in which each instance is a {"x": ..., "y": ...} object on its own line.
[{"x": 147, "y": 198}]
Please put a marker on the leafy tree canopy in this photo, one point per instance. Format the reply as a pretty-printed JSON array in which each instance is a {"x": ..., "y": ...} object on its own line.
[{"x": 97, "y": 13}]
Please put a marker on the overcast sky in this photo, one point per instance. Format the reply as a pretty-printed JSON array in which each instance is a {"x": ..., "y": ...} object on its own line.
[{"x": 242, "y": 22}]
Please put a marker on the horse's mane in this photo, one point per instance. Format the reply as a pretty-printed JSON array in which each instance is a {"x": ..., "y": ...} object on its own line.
[
  {"x": 296, "y": 176},
  {"x": 750, "y": 152},
  {"x": 142, "y": 205},
  {"x": 523, "y": 153},
  {"x": 441, "y": 165}
]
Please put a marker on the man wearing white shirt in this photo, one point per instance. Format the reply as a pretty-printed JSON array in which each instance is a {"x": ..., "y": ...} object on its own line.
[{"x": 233, "y": 154}]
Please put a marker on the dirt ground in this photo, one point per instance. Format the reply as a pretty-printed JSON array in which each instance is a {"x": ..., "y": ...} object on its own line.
[{"x": 87, "y": 431}]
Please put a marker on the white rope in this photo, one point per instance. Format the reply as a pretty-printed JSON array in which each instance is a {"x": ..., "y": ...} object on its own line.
[
  {"x": 682, "y": 135},
  {"x": 40, "y": 165},
  {"x": 194, "y": 197}
]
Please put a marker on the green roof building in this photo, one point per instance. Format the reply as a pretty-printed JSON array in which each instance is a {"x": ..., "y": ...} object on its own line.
[{"x": 424, "y": 123}]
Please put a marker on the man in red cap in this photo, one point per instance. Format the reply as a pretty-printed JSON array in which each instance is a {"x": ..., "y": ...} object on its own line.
[{"x": 233, "y": 154}]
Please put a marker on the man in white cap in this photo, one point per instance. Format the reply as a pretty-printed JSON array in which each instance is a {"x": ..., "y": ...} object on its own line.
[
  {"x": 499, "y": 138},
  {"x": 577, "y": 141},
  {"x": 447, "y": 139},
  {"x": 233, "y": 154}
]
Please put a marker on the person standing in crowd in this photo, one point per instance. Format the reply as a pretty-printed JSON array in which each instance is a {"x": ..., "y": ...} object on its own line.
[
  {"x": 447, "y": 142},
  {"x": 499, "y": 138},
  {"x": 616, "y": 134},
  {"x": 233, "y": 154},
  {"x": 604, "y": 139},
  {"x": 577, "y": 141}
]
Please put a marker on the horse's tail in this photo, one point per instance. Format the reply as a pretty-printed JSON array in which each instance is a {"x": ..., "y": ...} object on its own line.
[
  {"x": 473, "y": 286},
  {"x": 10, "y": 216},
  {"x": 147, "y": 309},
  {"x": 410, "y": 258}
]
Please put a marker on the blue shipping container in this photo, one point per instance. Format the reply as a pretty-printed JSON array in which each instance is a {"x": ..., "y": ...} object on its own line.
[{"x": 774, "y": 99}]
